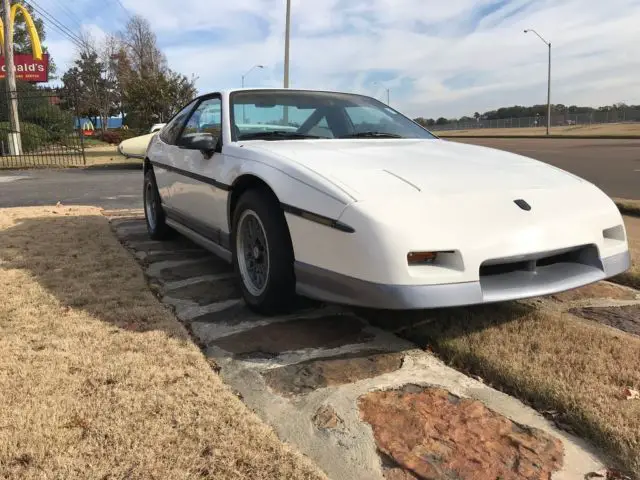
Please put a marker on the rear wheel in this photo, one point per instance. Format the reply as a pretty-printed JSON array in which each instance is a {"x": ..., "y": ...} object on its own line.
[
  {"x": 263, "y": 253},
  {"x": 153, "y": 212}
]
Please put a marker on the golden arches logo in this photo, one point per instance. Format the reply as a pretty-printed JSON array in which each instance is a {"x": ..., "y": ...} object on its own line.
[{"x": 36, "y": 47}]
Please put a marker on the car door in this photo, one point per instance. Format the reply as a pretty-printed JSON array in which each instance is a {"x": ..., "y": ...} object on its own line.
[
  {"x": 165, "y": 154},
  {"x": 197, "y": 195}
]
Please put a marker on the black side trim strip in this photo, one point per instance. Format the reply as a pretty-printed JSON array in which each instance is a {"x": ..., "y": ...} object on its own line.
[
  {"x": 195, "y": 176},
  {"x": 314, "y": 217},
  {"x": 213, "y": 234}
]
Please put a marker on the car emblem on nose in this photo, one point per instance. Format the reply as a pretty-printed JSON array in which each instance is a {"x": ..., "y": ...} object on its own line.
[{"x": 522, "y": 204}]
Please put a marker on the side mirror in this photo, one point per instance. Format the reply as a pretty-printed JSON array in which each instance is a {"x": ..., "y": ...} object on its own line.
[{"x": 205, "y": 142}]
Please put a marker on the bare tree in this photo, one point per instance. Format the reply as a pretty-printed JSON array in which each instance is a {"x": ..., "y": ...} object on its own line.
[{"x": 141, "y": 43}]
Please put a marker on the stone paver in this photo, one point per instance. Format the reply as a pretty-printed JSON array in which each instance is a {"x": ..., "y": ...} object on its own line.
[
  {"x": 326, "y": 418},
  {"x": 343, "y": 386},
  {"x": 140, "y": 235},
  {"x": 209, "y": 266},
  {"x": 304, "y": 377},
  {"x": 205, "y": 293},
  {"x": 435, "y": 434},
  {"x": 156, "y": 257},
  {"x": 626, "y": 318},
  {"x": 324, "y": 332}
]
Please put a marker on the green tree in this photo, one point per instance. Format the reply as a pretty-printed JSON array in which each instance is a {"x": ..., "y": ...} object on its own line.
[
  {"x": 93, "y": 88},
  {"x": 151, "y": 91}
]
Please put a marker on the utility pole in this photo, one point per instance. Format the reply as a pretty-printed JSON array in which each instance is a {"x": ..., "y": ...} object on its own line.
[
  {"x": 286, "y": 45},
  {"x": 287, "y": 34},
  {"x": 549, "y": 93},
  {"x": 15, "y": 141}
]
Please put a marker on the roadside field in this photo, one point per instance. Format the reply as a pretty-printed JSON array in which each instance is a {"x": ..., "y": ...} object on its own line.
[
  {"x": 96, "y": 155},
  {"x": 621, "y": 129},
  {"x": 104, "y": 155},
  {"x": 98, "y": 379},
  {"x": 560, "y": 354},
  {"x": 628, "y": 207}
]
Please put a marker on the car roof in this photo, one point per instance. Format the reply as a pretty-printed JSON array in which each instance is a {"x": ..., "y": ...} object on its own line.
[{"x": 228, "y": 91}]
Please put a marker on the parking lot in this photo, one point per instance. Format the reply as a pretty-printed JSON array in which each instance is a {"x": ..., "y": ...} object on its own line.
[{"x": 613, "y": 165}]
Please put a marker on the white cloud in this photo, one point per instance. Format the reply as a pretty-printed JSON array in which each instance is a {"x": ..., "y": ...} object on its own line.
[{"x": 439, "y": 58}]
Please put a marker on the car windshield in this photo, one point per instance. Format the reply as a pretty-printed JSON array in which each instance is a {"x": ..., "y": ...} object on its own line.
[{"x": 301, "y": 115}]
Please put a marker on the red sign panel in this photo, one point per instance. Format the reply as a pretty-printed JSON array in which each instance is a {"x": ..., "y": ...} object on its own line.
[{"x": 28, "y": 69}]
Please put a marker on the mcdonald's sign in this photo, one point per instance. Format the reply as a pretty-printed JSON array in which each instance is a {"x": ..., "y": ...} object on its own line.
[{"x": 29, "y": 68}]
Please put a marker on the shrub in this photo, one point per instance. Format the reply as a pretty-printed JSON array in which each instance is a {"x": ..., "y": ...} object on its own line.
[
  {"x": 110, "y": 136},
  {"x": 34, "y": 137},
  {"x": 57, "y": 122}
]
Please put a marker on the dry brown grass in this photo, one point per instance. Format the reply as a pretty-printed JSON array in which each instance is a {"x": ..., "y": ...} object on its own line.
[
  {"x": 632, "y": 276},
  {"x": 628, "y": 207},
  {"x": 622, "y": 129},
  {"x": 555, "y": 361},
  {"x": 104, "y": 155},
  {"x": 98, "y": 379}
]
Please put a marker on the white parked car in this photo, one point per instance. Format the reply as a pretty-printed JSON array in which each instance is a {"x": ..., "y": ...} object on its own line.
[
  {"x": 135, "y": 147},
  {"x": 156, "y": 127},
  {"x": 357, "y": 204}
]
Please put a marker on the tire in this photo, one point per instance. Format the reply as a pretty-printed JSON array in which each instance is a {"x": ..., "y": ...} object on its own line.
[
  {"x": 271, "y": 289},
  {"x": 153, "y": 213}
]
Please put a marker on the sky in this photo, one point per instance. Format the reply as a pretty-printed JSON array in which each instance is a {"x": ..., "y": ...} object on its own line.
[{"x": 437, "y": 58}]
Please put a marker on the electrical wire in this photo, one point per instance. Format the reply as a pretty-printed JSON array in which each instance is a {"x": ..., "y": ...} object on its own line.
[{"x": 57, "y": 24}]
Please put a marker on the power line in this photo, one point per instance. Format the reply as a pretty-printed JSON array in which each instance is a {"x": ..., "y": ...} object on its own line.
[
  {"x": 70, "y": 14},
  {"x": 58, "y": 25},
  {"x": 124, "y": 9}
]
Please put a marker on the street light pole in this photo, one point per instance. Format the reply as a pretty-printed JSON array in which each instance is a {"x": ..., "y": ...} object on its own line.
[
  {"x": 388, "y": 93},
  {"x": 244, "y": 117},
  {"x": 548, "y": 79},
  {"x": 287, "y": 35},
  {"x": 250, "y": 70}
]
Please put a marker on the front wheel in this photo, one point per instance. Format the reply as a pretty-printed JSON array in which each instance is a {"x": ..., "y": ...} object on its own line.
[
  {"x": 263, "y": 253},
  {"x": 153, "y": 212}
]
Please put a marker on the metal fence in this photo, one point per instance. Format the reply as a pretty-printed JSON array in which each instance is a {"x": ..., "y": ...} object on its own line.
[
  {"x": 48, "y": 136},
  {"x": 563, "y": 119}
]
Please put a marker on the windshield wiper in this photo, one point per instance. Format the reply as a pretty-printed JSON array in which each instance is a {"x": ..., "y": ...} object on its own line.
[
  {"x": 275, "y": 135},
  {"x": 372, "y": 135}
]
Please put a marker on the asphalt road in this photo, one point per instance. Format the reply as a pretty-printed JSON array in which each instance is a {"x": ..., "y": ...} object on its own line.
[
  {"x": 613, "y": 165},
  {"x": 108, "y": 188}
]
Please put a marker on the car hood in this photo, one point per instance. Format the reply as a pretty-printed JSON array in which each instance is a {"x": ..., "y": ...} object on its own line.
[{"x": 366, "y": 168}]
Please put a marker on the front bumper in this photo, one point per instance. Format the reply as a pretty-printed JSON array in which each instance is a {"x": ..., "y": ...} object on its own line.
[{"x": 333, "y": 287}]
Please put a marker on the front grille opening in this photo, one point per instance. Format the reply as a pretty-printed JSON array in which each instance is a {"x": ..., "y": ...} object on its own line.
[
  {"x": 501, "y": 268},
  {"x": 586, "y": 255}
]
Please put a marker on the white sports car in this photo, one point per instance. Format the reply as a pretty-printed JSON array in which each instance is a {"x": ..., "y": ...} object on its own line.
[{"x": 341, "y": 198}]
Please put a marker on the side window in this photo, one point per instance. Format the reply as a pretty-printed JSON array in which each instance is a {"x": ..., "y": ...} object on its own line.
[
  {"x": 171, "y": 129},
  {"x": 207, "y": 118}
]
